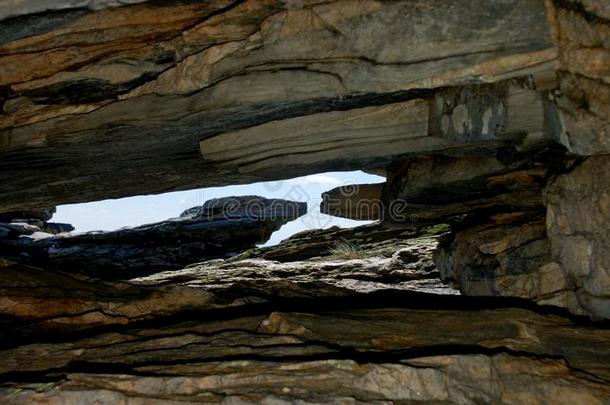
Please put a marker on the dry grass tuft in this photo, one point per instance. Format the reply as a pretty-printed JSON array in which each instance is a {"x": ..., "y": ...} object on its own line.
[{"x": 347, "y": 250}]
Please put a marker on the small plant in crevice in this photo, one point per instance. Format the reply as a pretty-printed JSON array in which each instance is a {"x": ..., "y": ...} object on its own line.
[{"x": 344, "y": 249}]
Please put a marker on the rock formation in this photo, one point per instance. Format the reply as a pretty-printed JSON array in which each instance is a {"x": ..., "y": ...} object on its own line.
[
  {"x": 218, "y": 228},
  {"x": 89, "y": 90},
  {"x": 485, "y": 280},
  {"x": 366, "y": 330},
  {"x": 31, "y": 221},
  {"x": 354, "y": 201}
]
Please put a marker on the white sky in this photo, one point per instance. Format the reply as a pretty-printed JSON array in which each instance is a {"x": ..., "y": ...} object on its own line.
[{"x": 133, "y": 211}]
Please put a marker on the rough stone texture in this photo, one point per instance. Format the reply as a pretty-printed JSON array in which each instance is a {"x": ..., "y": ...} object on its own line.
[
  {"x": 435, "y": 379},
  {"x": 498, "y": 243},
  {"x": 561, "y": 260},
  {"x": 457, "y": 102},
  {"x": 178, "y": 342},
  {"x": 373, "y": 239},
  {"x": 86, "y": 94},
  {"x": 355, "y": 201},
  {"x": 583, "y": 37},
  {"x": 219, "y": 228},
  {"x": 399, "y": 264},
  {"x": 497, "y": 259},
  {"x": 578, "y": 226},
  {"x": 434, "y": 188}
]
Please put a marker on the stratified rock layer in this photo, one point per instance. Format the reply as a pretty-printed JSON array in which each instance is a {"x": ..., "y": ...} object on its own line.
[
  {"x": 354, "y": 201},
  {"x": 488, "y": 116},
  {"x": 189, "y": 94},
  {"x": 198, "y": 342}
]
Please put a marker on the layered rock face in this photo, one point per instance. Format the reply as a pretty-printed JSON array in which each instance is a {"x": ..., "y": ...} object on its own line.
[
  {"x": 88, "y": 91},
  {"x": 485, "y": 280},
  {"x": 371, "y": 330},
  {"x": 533, "y": 228},
  {"x": 218, "y": 228}
]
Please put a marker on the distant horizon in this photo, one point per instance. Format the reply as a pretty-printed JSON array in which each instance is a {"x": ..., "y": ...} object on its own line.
[{"x": 108, "y": 215}]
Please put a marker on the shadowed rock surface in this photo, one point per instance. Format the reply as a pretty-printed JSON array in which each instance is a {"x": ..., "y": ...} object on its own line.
[
  {"x": 355, "y": 201},
  {"x": 219, "y": 228},
  {"x": 28, "y": 222}
]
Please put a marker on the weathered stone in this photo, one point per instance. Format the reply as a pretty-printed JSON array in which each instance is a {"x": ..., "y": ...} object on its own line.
[
  {"x": 583, "y": 37},
  {"x": 85, "y": 94},
  {"x": 494, "y": 353},
  {"x": 503, "y": 260},
  {"x": 371, "y": 134},
  {"x": 578, "y": 226},
  {"x": 374, "y": 239},
  {"x": 409, "y": 268},
  {"x": 437, "y": 187},
  {"x": 494, "y": 112},
  {"x": 462, "y": 379},
  {"x": 459, "y": 103},
  {"x": 498, "y": 245}
]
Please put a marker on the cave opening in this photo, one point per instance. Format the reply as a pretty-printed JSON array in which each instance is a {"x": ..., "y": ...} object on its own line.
[{"x": 111, "y": 215}]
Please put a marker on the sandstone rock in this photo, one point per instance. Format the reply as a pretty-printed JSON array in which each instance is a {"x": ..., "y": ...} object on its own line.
[
  {"x": 562, "y": 261},
  {"x": 503, "y": 260},
  {"x": 437, "y": 348},
  {"x": 498, "y": 379},
  {"x": 409, "y": 268},
  {"x": 88, "y": 91},
  {"x": 233, "y": 225},
  {"x": 498, "y": 245},
  {"x": 459, "y": 103}
]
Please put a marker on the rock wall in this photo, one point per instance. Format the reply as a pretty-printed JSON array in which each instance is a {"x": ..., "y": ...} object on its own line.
[
  {"x": 147, "y": 89},
  {"x": 322, "y": 330},
  {"x": 578, "y": 224},
  {"x": 485, "y": 281}
]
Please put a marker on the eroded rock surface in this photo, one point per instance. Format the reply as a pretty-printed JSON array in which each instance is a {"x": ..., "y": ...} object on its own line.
[
  {"x": 250, "y": 86},
  {"x": 578, "y": 227},
  {"x": 490, "y": 119},
  {"x": 354, "y": 201},
  {"x": 161, "y": 342}
]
